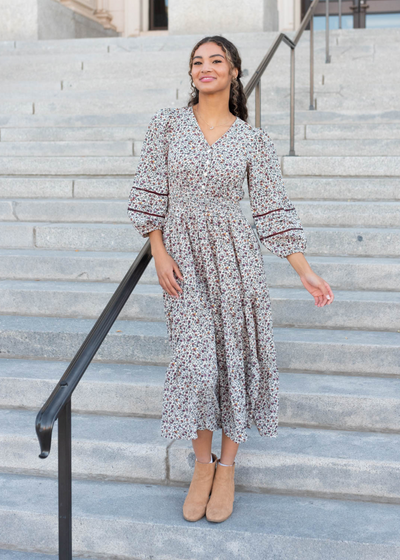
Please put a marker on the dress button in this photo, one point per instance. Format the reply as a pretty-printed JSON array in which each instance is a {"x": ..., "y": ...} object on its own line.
[
  {"x": 205, "y": 173},
  {"x": 207, "y": 162}
]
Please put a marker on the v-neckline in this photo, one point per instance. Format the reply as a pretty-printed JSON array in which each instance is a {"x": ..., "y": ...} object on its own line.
[{"x": 202, "y": 133}]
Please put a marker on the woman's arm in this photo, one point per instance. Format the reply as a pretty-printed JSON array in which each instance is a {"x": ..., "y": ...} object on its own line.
[
  {"x": 165, "y": 264},
  {"x": 318, "y": 288}
]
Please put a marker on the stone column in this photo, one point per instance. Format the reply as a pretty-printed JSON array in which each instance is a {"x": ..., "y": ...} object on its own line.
[
  {"x": 211, "y": 17},
  {"x": 26, "y": 20}
]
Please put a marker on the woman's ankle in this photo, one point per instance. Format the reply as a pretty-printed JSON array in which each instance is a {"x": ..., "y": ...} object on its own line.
[{"x": 206, "y": 462}]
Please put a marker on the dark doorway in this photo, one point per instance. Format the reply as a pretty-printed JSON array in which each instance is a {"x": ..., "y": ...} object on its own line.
[
  {"x": 356, "y": 14},
  {"x": 158, "y": 14}
]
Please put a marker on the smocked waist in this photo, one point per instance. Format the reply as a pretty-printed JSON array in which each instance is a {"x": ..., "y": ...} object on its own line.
[{"x": 202, "y": 201}]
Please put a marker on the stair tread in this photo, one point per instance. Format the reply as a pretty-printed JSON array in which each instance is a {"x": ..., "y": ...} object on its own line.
[
  {"x": 352, "y": 386},
  {"x": 155, "y": 289},
  {"x": 159, "y": 329},
  {"x": 159, "y": 507},
  {"x": 340, "y": 445},
  {"x": 18, "y": 555},
  {"x": 123, "y": 255}
]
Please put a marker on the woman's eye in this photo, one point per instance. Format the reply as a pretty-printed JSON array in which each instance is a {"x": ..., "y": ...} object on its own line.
[{"x": 197, "y": 63}]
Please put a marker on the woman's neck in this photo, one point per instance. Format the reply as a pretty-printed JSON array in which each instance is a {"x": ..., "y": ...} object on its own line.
[{"x": 214, "y": 111}]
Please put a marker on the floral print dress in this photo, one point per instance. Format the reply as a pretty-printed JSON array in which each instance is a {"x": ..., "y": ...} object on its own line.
[{"x": 223, "y": 371}]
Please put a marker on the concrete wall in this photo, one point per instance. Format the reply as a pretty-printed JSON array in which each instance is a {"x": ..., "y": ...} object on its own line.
[
  {"x": 224, "y": 16},
  {"x": 23, "y": 20}
]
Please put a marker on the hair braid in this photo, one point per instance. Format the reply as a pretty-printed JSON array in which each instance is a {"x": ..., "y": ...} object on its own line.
[{"x": 237, "y": 97}]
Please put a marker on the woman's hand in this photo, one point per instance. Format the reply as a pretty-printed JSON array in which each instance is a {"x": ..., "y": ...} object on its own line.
[
  {"x": 165, "y": 267},
  {"x": 318, "y": 288},
  {"x": 165, "y": 264}
]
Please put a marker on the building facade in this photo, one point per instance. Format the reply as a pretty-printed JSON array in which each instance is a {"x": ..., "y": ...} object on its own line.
[{"x": 60, "y": 19}]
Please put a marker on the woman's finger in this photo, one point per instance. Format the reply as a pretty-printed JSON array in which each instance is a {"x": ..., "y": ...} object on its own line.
[
  {"x": 174, "y": 283},
  {"x": 331, "y": 296},
  {"x": 178, "y": 272},
  {"x": 170, "y": 289}
]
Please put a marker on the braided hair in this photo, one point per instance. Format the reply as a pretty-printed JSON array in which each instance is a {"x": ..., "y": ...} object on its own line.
[{"x": 237, "y": 97}]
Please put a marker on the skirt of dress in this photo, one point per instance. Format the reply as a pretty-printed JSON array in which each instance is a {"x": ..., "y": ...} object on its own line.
[{"x": 223, "y": 371}]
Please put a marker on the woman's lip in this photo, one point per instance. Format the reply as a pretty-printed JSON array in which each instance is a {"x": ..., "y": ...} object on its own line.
[{"x": 206, "y": 79}]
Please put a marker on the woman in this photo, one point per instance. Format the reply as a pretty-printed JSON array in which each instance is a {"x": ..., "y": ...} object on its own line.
[{"x": 185, "y": 197}]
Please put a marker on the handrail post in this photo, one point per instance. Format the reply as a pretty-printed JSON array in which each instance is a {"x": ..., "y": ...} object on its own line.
[
  {"x": 258, "y": 104},
  {"x": 327, "y": 57},
  {"x": 292, "y": 60},
  {"x": 340, "y": 14},
  {"x": 64, "y": 484},
  {"x": 312, "y": 64}
]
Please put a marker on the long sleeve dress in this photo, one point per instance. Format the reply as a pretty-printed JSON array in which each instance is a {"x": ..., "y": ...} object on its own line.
[{"x": 223, "y": 371}]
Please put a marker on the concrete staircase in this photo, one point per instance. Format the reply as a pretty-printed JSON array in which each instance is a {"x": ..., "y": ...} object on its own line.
[{"x": 72, "y": 118}]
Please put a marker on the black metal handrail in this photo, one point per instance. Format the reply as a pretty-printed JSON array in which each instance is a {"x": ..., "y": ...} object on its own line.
[
  {"x": 58, "y": 405},
  {"x": 255, "y": 80}
]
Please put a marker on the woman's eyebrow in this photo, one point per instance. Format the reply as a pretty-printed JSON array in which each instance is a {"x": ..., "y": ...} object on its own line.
[{"x": 209, "y": 56}]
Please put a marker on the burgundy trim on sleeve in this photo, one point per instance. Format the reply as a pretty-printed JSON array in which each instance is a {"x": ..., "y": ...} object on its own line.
[
  {"x": 278, "y": 232},
  {"x": 276, "y": 210},
  {"x": 154, "y": 192},
  {"x": 143, "y": 212}
]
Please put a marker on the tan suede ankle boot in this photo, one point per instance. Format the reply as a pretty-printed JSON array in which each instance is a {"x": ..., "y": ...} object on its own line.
[
  {"x": 194, "y": 507},
  {"x": 220, "y": 505}
]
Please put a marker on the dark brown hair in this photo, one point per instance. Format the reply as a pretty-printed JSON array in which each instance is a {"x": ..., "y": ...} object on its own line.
[{"x": 237, "y": 98}]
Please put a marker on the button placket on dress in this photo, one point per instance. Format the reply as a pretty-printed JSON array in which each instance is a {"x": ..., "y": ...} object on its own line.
[{"x": 205, "y": 173}]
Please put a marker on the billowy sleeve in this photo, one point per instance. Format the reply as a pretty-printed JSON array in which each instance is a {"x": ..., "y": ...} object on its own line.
[
  {"x": 276, "y": 220},
  {"x": 148, "y": 200}
]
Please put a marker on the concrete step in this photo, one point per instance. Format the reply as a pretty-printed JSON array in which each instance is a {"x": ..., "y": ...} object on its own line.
[
  {"x": 146, "y": 342},
  {"x": 68, "y": 165},
  {"x": 134, "y": 118},
  {"x": 44, "y": 149},
  {"x": 128, "y": 63},
  {"x": 164, "y": 42},
  {"x": 350, "y": 131},
  {"x": 339, "y": 402},
  {"x": 137, "y": 520},
  {"x": 83, "y": 134},
  {"x": 290, "y": 307},
  {"x": 342, "y": 147},
  {"x": 348, "y": 100},
  {"x": 359, "y": 241},
  {"x": 298, "y": 188},
  {"x": 128, "y": 148},
  {"x": 276, "y": 98},
  {"x": 9, "y": 87},
  {"x": 81, "y": 65},
  {"x": 343, "y": 273},
  {"x": 351, "y": 166},
  {"x": 18, "y": 555},
  {"x": 76, "y": 90},
  {"x": 383, "y": 131},
  {"x": 311, "y": 213},
  {"x": 376, "y": 166},
  {"x": 150, "y": 100},
  {"x": 300, "y": 461}
]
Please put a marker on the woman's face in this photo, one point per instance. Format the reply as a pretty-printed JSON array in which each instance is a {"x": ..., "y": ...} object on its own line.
[{"x": 210, "y": 69}]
